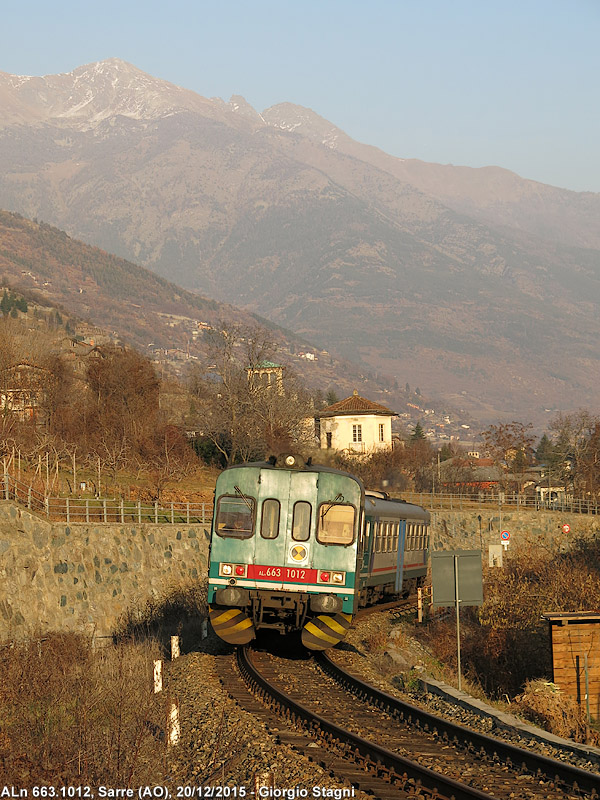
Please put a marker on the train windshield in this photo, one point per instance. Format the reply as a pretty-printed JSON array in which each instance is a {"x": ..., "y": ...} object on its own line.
[
  {"x": 336, "y": 523},
  {"x": 235, "y": 516}
]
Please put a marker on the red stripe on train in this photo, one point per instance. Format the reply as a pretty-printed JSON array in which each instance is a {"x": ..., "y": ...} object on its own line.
[
  {"x": 393, "y": 569},
  {"x": 287, "y": 574}
]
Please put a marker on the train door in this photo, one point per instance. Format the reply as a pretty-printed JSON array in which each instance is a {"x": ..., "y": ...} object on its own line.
[
  {"x": 299, "y": 540},
  {"x": 400, "y": 556},
  {"x": 285, "y": 521},
  {"x": 367, "y": 545}
]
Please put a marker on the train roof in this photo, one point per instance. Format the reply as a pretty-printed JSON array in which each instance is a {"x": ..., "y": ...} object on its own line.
[
  {"x": 305, "y": 466},
  {"x": 379, "y": 501},
  {"x": 383, "y": 505}
]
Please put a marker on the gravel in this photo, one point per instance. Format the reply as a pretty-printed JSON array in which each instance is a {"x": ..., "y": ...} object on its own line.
[
  {"x": 221, "y": 741},
  {"x": 217, "y": 736},
  {"x": 388, "y": 662}
]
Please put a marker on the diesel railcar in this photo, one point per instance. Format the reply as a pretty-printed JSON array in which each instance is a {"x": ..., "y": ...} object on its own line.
[{"x": 297, "y": 546}]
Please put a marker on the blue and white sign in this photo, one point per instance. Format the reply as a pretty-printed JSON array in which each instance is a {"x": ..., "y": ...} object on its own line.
[{"x": 505, "y": 536}]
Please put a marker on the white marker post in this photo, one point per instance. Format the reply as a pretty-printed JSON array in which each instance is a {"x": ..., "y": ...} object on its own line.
[
  {"x": 158, "y": 683},
  {"x": 174, "y": 647},
  {"x": 173, "y": 726}
]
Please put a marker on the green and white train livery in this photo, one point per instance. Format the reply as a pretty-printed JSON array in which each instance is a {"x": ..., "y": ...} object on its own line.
[{"x": 296, "y": 546}]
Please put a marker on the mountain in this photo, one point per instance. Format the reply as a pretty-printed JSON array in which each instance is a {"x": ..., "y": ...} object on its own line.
[
  {"x": 477, "y": 285},
  {"x": 492, "y": 195}
]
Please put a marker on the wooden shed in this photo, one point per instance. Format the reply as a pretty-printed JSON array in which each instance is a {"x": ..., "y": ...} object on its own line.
[{"x": 575, "y": 643}]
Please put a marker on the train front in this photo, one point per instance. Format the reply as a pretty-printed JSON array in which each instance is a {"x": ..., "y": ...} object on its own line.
[{"x": 283, "y": 551}]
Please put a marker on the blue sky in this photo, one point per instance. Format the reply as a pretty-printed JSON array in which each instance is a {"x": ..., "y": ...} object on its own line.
[{"x": 471, "y": 82}]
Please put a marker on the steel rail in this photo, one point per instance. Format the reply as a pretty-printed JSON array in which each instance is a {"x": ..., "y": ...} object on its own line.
[
  {"x": 371, "y": 755},
  {"x": 510, "y": 754}
]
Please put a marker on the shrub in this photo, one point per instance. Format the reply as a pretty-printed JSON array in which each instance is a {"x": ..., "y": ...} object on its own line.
[
  {"x": 72, "y": 713},
  {"x": 543, "y": 703}
]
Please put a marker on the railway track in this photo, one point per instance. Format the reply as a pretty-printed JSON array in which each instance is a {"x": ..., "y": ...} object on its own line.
[{"x": 383, "y": 746}]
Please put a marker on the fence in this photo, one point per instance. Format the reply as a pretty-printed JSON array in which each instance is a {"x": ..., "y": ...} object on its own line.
[
  {"x": 121, "y": 511},
  {"x": 458, "y": 502},
  {"x": 68, "y": 509}
]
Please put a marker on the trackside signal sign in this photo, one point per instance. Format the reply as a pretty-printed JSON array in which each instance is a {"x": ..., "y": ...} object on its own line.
[{"x": 505, "y": 536}]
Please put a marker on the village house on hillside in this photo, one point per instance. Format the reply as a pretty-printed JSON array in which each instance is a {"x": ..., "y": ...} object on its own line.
[
  {"x": 355, "y": 425},
  {"x": 23, "y": 391}
]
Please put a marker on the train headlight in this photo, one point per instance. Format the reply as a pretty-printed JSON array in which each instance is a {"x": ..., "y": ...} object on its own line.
[
  {"x": 324, "y": 577},
  {"x": 338, "y": 577},
  {"x": 225, "y": 569},
  {"x": 290, "y": 461},
  {"x": 240, "y": 570}
]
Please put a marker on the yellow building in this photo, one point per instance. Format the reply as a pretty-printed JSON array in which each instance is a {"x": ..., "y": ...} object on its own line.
[{"x": 355, "y": 425}]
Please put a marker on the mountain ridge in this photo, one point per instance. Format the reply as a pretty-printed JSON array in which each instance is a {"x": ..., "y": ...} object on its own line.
[{"x": 447, "y": 277}]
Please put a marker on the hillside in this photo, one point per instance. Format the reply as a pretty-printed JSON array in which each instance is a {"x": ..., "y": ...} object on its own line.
[
  {"x": 477, "y": 285},
  {"x": 133, "y": 305}
]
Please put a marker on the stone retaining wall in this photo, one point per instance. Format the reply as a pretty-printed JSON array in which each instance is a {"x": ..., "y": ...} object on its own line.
[
  {"x": 460, "y": 530},
  {"x": 85, "y": 577}
]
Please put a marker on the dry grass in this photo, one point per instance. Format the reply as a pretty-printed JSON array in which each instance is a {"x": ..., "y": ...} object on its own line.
[
  {"x": 505, "y": 642},
  {"x": 71, "y": 713},
  {"x": 544, "y": 704}
]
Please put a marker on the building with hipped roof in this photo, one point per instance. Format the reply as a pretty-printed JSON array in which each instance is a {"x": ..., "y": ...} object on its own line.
[{"x": 355, "y": 425}]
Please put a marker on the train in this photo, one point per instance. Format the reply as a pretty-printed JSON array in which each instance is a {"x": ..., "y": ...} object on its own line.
[{"x": 297, "y": 546}]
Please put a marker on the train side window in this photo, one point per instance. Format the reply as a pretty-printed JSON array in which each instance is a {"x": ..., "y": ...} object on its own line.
[
  {"x": 235, "y": 516},
  {"x": 301, "y": 521},
  {"x": 413, "y": 536},
  {"x": 396, "y": 536},
  {"x": 269, "y": 524},
  {"x": 375, "y": 537},
  {"x": 336, "y": 523}
]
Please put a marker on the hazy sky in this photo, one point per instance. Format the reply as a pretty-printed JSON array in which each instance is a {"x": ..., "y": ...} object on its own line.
[{"x": 472, "y": 82}]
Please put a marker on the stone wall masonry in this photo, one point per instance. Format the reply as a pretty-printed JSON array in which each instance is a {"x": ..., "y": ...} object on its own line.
[
  {"x": 459, "y": 530},
  {"x": 84, "y": 577}
]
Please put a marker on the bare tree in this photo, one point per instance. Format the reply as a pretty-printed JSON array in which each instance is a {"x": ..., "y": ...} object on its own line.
[
  {"x": 243, "y": 418},
  {"x": 509, "y": 445},
  {"x": 576, "y": 450},
  {"x": 168, "y": 457}
]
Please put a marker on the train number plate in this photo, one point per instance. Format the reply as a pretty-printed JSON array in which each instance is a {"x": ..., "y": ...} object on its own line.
[{"x": 287, "y": 574}]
